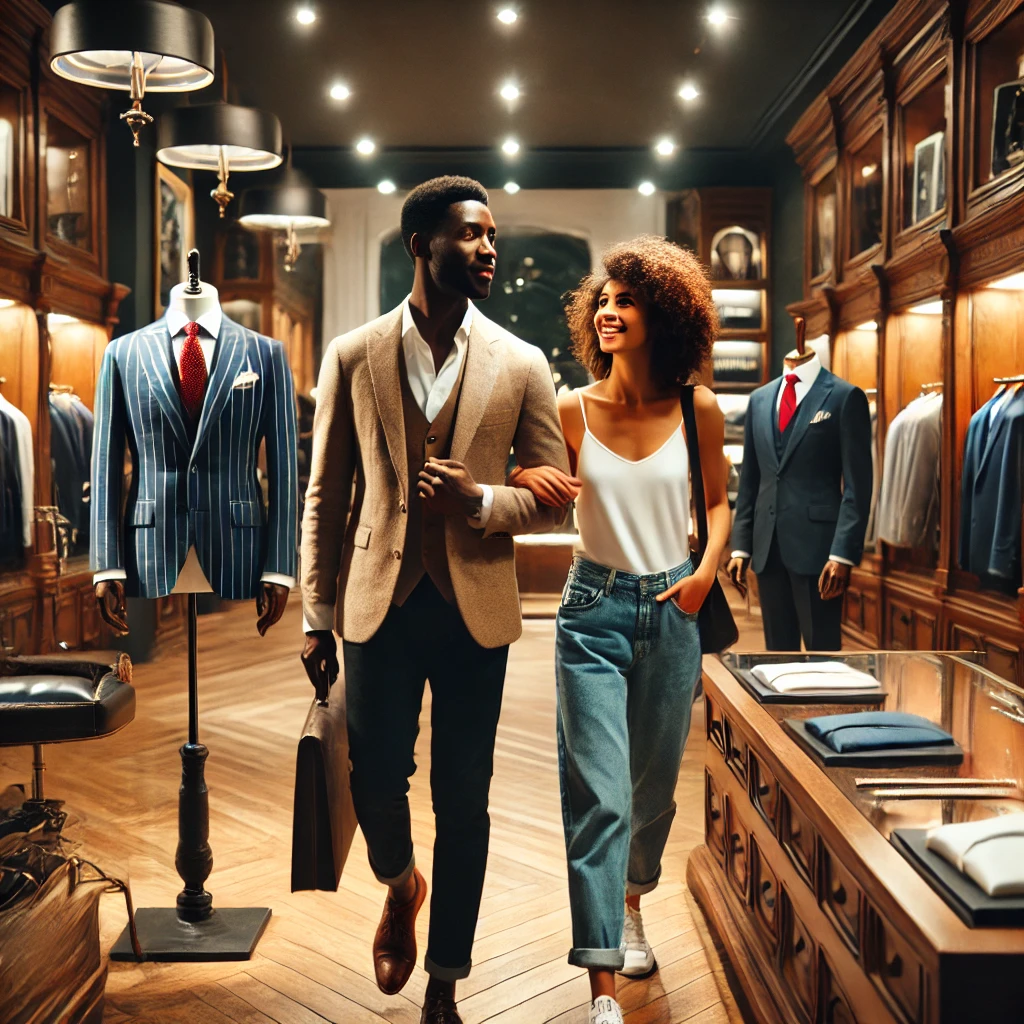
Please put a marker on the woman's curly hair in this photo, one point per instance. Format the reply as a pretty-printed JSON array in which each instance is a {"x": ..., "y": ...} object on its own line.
[{"x": 682, "y": 321}]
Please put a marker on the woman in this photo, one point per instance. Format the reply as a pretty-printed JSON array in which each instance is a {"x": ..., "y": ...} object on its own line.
[{"x": 627, "y": 645}]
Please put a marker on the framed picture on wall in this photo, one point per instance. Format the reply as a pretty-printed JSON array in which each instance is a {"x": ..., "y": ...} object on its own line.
[
  {"x": 173, "y": 235},
  {"x": 929, "y": 175}
]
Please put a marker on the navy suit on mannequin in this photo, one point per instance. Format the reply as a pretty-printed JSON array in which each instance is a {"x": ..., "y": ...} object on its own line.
[{"x": 804, "y": 499}]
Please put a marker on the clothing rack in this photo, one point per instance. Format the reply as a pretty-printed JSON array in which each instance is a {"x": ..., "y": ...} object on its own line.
[
  {"x": 871, "y": 391},
  {"x": 1018, "y": 379},
  {"x": 931, "y": 385},
  {"x": 62, "y": 389}
]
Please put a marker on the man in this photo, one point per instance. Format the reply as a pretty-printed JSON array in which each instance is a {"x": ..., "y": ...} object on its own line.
[
  {"x": 414, "y": 564},
  {"x": 803, "y": 503}
]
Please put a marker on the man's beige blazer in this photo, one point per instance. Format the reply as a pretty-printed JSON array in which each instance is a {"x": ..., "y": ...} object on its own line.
[{"x": 353, "y": 537}]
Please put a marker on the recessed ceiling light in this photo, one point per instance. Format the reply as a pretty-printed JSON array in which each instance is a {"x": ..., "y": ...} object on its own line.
[
  {"x": 868, "y": 325},
  {"x": 717, "y": 16},
  {"x": 305, "y": 15},
  {"x": 510, "y": 91},
  {"x": 511, "y": 188},
  {"x": 386, "y": 187},
  {"x": 868, "y": 170},
  {"x": 1015, "y": 283},
  {"x": 340, "y": 91},
  {"x": 366, "y": 147},
  {"x": 6, "y": 303},
  {"x": 665, "y": 147},
  {"x": 60, "y": 318},
  {"x": 688, "y": 92},
  {"x": 510, "y": 147},
  {"x": 933, "y": 308},
  {"x": 646, "y": 188},
  {"x": 507, "y": 15}
]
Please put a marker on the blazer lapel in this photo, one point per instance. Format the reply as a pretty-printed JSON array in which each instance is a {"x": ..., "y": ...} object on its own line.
[
  {"x": 477, "y": 385},
  {"x": 382, "y": 355},
  {"x": 227, "y": 361},
  {"x": 765, "y": 424},
  {"x": 813, "y": 401},
  {"x": 995, "y": 429},
  {"x": 155, "y": 354}
]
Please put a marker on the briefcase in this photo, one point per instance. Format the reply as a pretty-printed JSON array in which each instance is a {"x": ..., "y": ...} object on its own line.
[{"x": 324, "y": 820}]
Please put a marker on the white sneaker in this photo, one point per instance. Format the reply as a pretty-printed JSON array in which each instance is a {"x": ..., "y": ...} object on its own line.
[
  {"x": 639, "y": 955},
  {"x": 604, "y": 1010}
]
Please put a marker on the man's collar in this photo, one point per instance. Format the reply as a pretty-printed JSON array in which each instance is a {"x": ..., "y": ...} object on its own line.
[
  {"x": 210, "y": 321},
  {"x": 464, "y": 328},
  {"x": 807, "y": 372}
]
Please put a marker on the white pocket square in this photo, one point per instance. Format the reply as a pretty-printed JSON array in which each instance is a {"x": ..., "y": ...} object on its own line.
[
  {"x": 246, "y": 379},
  {"x": 820, "y": 417}
]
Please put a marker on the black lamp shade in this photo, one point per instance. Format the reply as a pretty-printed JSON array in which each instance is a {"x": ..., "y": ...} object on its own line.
[
  {"x": 93, "y": 42},
  {"x": 294, "y": 203},
  {"x": 195, "y": 136}
]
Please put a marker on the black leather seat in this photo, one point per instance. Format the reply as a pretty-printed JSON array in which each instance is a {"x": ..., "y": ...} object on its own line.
[{"x": 47, "y": 699}]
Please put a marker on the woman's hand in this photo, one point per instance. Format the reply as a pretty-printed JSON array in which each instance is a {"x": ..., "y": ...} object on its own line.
[
  {"x": 549, "y": 485},
  {"x": 689, "y": 593}
]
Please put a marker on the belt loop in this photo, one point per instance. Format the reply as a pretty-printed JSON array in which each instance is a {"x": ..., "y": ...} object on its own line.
[
  {"x": 668, "y": 578},
  {"x": 609, "y": 583}
]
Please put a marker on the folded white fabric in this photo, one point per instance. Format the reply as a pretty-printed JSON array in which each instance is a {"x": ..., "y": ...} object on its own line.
[
  {"x": 808, "y": 676},
  {"x": 991, "y": 852}
]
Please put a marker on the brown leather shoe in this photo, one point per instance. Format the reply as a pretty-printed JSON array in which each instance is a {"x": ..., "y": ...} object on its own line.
[
  {"x": 439, "y": 1010},
  {"x": 394, "y": 945}
]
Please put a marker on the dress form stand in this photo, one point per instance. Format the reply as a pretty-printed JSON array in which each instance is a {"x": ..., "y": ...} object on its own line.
[
  {"x": 801, "y": 353},
  {"x": 193, "y": 930}
]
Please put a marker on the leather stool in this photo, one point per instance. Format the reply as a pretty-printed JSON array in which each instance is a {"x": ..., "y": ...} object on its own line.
[{"x": 46, "y": 699}]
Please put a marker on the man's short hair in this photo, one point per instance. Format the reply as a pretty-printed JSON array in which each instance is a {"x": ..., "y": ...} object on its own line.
[{"x": 426, "y": 206}]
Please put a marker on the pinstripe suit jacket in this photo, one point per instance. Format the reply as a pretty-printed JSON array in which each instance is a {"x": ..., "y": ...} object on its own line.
[{"x": 194, "y": 485}]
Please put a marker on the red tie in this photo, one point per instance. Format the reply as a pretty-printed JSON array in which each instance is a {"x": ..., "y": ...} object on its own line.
[
  {"x": 788, "y": 407},
  {"x": 192, "y": 371}
]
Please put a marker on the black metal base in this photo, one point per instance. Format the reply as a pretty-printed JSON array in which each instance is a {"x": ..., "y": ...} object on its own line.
[{"x": 229, "y": 934}]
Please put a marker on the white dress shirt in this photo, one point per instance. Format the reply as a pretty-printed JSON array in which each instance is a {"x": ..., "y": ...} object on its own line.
[
  {"x": 431, "y": 388},
  {"x": 807, "y": 374},
  {"x": 26, "y": 467},
  {"x": 191, "y": 578}
]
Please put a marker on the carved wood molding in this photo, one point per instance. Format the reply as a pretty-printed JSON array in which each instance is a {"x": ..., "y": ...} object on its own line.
[
  {"x": 991, "y": 243},
  {"x": 984, "y": 16},
  {"x": 816, "y": 311},
  {"x": 918, "y": 273},
  {"x": 860, "y": 298}
]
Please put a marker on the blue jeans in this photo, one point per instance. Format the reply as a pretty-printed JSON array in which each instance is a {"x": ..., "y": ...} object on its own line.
[{"x": 626, "y": 667}]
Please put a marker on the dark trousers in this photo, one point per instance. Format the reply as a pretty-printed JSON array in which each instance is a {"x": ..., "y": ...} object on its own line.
[
  {"x": 427, "y": 639},
  {"x": 791, "y": 607}
]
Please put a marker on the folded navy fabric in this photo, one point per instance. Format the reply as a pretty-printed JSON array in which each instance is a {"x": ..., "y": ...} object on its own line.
[{"x": 876, "y": 730}]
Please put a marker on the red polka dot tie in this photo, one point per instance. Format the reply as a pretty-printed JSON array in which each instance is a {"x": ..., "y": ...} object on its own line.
[
  {"x": 192, "y": 371},
  {"x": 788, "y": 406}
]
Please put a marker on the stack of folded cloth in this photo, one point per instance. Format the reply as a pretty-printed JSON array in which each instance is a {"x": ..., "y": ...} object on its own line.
[
  {"x": 813, "y": 677},
  {"x": 990, "y": 852},
  {"x": 876, "y": 730}
]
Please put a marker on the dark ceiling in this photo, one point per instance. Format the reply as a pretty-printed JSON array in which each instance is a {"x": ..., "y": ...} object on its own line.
[{"x": 600, "y": 73}]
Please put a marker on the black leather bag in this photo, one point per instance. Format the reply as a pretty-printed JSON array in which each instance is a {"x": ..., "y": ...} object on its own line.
[
  {"x": 717, "y": 626},
  {"x": 324, "y": 819}
]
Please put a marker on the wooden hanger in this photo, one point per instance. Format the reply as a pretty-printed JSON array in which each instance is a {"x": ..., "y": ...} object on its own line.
[{"x": 801, "y": 354}]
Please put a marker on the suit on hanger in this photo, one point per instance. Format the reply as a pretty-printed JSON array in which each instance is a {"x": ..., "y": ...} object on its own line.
[
  {"x": 194, "y": 483},
  {"x": 804, "y": 498}
]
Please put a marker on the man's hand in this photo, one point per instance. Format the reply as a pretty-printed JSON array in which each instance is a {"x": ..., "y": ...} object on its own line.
[
  {"x": 447, "y": 487},
  {"x": 110, "y": 596},
  {"x": 737, "y": 570},
  {"x": 834, "y": 579},
  {"x": 320, "y": 660},
  {"x": 270, "y": 602},
  {"x": 549, "y": 485}
]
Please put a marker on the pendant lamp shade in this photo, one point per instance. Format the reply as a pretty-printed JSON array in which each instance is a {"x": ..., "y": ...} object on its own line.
[
  {"x": 95, "y": 42},
  {"x": 293, "y": 203},
  {"x": 202, "y": 136}
]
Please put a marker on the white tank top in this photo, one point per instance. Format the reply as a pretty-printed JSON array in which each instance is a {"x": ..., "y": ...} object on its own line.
[{"x": 634, "y": 516}]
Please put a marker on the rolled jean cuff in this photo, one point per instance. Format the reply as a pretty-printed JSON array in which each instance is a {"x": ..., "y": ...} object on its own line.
[
  {"x": 446, "y": 973},
  {"x": 639, "y": 888},
  {"x": 608, "y": 959},
  {"x": 399, "y": 879}
]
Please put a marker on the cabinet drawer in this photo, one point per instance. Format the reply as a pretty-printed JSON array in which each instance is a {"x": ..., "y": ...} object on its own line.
[
  {"x": 798, "y": 956},
  {"x": 764, "y": 791},
  {"x": 714, "y": 818},
  {"x": 736, "y": 752},
  {"x": 797, "y": 836},
  {"x": 715, "y": 723},
  {"x": 737, "y": 863},
  {"x": 835, "y": 1006},
  {"x": 896, "y": 970},
  {"x": 764, "y": 891},
  {"x": 840, "y": 898}
]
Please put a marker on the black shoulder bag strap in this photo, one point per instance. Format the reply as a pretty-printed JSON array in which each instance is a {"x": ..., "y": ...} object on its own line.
[{"x": 717, "y": 626}]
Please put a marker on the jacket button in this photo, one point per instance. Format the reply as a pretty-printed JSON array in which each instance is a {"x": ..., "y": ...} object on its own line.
[
  {"x": 431, "y": 439},
  {"x": 194, "y": 470},
  {"x": 402, "y": 508},
  {"x": 397, "y": 554}
]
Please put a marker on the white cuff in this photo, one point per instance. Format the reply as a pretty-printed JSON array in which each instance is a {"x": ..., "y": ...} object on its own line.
[
  {"x": 279, "y": 578},
  {"x": 109, "y": 574},
  {"x": 317, "y": 618},
  {"x": 841, "y": 561},
  {"x": 740, "y": 554},
  {"x": 480, "y": 523}
]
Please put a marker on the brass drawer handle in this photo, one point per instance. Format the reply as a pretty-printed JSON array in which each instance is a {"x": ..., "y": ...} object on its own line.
[
  {"x": 737, "y": 843},
  {"x": 838, "y": 893},
  {"x": 799, "y": 946},
  {"x": 894, "y": 968},
  {"x": 769, "y": 901},
  {"x": 764, "y": 789}
]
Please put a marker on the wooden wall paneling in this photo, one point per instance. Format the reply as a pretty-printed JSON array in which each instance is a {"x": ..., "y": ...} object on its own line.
[
  {"x": 19, "y": 359},
  {"x": 78, "y": 349}
]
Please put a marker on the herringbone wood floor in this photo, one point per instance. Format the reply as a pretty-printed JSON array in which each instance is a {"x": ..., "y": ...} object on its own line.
[{"x": 313, "y": 964}]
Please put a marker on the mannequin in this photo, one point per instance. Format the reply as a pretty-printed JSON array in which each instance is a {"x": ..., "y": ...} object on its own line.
[{"x": 194, "y": 299}]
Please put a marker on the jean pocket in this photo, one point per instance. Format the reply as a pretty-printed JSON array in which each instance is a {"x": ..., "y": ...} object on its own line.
[
  {"x": 577, "y": 595},
  {"x": 688, "y": 616}
]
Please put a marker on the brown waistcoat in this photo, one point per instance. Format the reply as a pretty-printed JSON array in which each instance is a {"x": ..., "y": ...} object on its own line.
[{"x": 425, "y": 550}]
